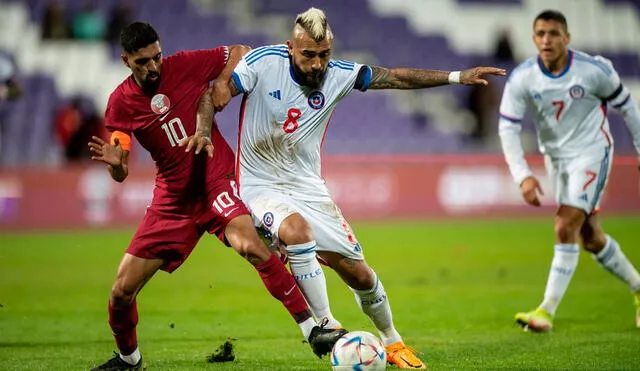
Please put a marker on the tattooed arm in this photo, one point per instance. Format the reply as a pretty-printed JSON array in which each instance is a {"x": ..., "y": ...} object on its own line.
[
  {"x": 234, "y": 89},
  {"x": 204, "y": 121},
  {"x": 411, "y": 78}
]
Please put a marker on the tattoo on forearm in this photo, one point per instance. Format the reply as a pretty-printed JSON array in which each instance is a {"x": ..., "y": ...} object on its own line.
[
  {"x": 406, "y": 78},
  {"x": 381, "y": 78},
  {"x": 233, "y": 88},
  {"x": 205, "y": 114}
]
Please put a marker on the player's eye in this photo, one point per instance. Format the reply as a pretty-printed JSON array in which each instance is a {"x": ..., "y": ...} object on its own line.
[
  {"x": 142, "y": 61},
  {"x": 157, "y": 57}
]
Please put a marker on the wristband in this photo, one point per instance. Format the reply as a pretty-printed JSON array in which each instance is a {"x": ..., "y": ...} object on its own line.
[{"x": 454, "y": 77}]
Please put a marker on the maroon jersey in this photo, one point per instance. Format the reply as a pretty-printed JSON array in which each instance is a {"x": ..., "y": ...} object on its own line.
[{"x": 184, "y": 181}]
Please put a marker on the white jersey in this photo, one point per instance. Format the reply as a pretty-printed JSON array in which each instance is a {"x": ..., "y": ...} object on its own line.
[
  {"x": 569, "y": 109},
  {"x": 282, "y": 124}
]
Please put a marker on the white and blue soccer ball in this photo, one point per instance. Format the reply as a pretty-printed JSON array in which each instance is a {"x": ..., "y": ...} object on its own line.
[{"x": 358, "y": 351}]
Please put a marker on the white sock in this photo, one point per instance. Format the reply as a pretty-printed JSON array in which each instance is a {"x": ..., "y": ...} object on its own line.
[
  {"x": 311, "y": 280},
  {"x": 132, "y": 358},
  {"x": 374, "y": 303},
  {"x": 306, "y": 327},
  {"x": 613, "y": 259},
  {"x": 563, "y": 265}
]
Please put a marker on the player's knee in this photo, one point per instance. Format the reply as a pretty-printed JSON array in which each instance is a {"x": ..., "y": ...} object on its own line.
[
  {"x": 295, "y": 230},
  {"x": 594, "y": 243},
  {"x": 567, "y": 229},
  {"x": 363, "y": 282},
  {"x": 121, "y": 295},
  {"x": 361, "y": 277},
  {"x": 255, "y": 252}
]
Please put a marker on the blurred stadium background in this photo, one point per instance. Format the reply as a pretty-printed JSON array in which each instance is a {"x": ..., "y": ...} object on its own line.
[
  {"x": 424, "y": 155},
  {"x": 435, "y": 152}
]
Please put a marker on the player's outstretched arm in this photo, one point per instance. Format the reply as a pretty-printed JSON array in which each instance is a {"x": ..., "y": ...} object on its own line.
[
  {"x": 221, "y": 93},
  {"x": 116, "y": 158},
  {"x": 411, "y": 78},
  {"x": 204, "y": 121}
]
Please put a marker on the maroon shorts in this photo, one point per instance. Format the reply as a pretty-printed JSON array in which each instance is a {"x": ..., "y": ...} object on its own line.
[{"x": 172, "y": 236}]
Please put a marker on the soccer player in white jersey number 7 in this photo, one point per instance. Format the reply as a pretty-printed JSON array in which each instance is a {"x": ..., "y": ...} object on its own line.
[
  {"x": 568, "y": 93},
  {"x": 290, "y": 93}
]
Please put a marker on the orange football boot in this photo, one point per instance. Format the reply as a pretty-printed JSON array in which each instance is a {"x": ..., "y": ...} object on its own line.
[{"x": 401, "y": 355}]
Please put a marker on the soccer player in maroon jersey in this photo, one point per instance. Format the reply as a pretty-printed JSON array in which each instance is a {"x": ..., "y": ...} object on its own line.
[{"x": 194, "y": 192}]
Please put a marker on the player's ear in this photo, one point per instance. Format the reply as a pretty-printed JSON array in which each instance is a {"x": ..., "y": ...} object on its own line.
[
  {"x": 125, "y": 60},
  {"x": 568, "y": 37},
  {"x": 290, "y": 47}
]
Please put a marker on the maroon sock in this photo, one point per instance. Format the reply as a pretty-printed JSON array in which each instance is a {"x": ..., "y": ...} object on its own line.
[
  {"x": 123, "y": 321},
  {"x": 283, "y": 287}
]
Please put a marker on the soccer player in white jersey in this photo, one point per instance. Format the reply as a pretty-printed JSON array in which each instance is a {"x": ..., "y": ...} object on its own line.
[
  {"x": 290, "y": 93},
  {"x": 568, "y": 92}
]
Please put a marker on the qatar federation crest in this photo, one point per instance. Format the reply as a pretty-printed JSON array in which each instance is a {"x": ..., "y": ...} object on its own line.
[{"x": 160, "y": 104}]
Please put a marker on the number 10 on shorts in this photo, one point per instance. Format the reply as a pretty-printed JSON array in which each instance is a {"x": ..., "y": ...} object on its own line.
[{"x": 224, "y": 201}]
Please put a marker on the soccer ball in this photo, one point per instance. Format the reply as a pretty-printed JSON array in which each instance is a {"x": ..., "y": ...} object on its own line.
[{"x": 358, "y": 350}]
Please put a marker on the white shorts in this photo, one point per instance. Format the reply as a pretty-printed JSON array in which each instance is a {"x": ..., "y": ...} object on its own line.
[
  {"x": 580, "y": 181},
  {"x": 331, "y": 230}
]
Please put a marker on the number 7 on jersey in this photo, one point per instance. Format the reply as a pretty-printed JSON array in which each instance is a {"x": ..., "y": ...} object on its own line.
[{"x": 559, "y": 106}]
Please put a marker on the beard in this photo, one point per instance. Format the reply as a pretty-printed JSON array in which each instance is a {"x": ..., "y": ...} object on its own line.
[
  {"x": 311, "y": 79},
  {"x": 151, "y": 86}
]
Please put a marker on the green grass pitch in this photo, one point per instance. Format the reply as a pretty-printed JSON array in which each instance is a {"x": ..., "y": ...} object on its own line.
[{"x": 454, "y": 288}]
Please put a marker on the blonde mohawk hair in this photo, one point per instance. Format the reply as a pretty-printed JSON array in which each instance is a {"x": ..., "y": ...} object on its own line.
[{"x": 314, "y": 21}]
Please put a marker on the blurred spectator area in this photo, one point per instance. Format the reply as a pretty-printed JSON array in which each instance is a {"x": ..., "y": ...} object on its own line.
[{"x": 77, "y": 57}]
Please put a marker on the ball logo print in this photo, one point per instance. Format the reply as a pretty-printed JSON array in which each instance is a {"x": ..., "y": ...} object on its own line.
[
  {"x": 316, "y": 100},
  {"x": 576, "y": 92},
  {"x": 358, "y": 350},
  {"x": 160, "y": 104}
]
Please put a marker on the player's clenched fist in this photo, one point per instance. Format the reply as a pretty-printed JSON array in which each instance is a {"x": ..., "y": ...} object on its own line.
[
  {"x": 110, "y": 154},
  {"x": 531, "y": 189}
]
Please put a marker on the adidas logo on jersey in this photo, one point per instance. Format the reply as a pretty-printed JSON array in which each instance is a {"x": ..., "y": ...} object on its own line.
[{"x": 275, "y": 94}]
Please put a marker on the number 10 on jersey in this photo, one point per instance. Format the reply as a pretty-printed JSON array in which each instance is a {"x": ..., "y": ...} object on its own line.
[{"x": 175, "y": 131}]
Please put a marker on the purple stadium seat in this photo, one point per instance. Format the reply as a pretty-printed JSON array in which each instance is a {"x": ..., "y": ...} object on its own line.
[{"x": 635, "y": 3}]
